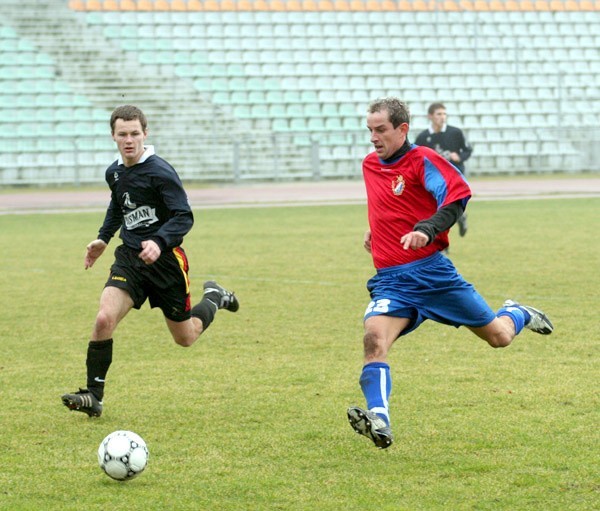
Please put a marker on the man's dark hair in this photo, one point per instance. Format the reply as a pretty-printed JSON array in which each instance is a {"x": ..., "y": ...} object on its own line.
[
  {"x": 398, "y": 112},
  {"x": 435, "y": 106},
  {"x": 128, "y": 113}
]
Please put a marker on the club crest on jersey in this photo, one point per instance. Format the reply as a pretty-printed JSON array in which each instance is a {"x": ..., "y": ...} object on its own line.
[{"x": 398, "y": 185}]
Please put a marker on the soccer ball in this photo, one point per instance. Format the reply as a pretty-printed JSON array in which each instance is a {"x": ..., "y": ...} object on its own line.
[{"x": 123, "y": 455}]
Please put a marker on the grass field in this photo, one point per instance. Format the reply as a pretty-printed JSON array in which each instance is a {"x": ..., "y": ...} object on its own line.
[{"x": 252, "y": 417}]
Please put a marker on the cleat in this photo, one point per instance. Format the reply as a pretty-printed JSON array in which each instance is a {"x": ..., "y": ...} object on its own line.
[
  {"x": 462, "y": 225},
  {"x": 539, "y": 322},
  {"x": 372, "y": 426},
  {"x": 228, "y": 299},
  {"x": 83, "y": 401}
]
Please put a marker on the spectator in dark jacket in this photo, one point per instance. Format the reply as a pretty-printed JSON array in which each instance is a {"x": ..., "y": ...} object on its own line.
[{"x": 449, "y": 141}]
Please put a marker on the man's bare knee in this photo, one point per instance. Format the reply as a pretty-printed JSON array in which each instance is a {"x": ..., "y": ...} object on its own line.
[
  {"x": 105, "y": 322},
  {"x": 185, "y": 333},
  {"x": 184, "y": 341},
  {"x": 498, "y": 334},
  {"x": 372, "y": 345},
  {"x": 500, "y": 341}
]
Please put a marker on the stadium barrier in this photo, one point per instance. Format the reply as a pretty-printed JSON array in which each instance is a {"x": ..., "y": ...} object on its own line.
[{"x": 294, "y": 155}]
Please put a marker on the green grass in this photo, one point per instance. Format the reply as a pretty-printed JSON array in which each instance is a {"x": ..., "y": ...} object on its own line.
[{"x": 252, "y": 417}]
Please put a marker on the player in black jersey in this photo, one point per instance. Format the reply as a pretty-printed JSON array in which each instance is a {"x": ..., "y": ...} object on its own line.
[{"x": 150, "y": 207}]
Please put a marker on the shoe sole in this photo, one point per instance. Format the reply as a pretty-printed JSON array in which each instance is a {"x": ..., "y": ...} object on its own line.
[
  {"x": 362, "y": 425},
  {"x": 76, "y": 407}
]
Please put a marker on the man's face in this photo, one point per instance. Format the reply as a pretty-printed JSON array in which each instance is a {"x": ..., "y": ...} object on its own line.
[
  {"x": 386, "y": 139},
  {"x": 438, "y": 119},
  {"x": 130, "y": 139}
]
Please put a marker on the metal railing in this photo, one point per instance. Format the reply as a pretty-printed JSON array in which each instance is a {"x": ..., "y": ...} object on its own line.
[{"x": 303, "y": 156}]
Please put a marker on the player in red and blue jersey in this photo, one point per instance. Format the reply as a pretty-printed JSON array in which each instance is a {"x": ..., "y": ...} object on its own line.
[{"x": 414, "y": 196}]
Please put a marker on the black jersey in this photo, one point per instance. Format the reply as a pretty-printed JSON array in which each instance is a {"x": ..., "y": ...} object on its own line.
[
  {"x": 450, "y": 140},
  {"x": 148, "y": 202}
]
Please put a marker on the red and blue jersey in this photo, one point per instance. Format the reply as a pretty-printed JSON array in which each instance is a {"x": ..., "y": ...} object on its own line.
[{"x": 403, "y": 192}]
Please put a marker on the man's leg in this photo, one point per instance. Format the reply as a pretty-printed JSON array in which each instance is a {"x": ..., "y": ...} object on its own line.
[
  {"x": 375, "y": 380},
  {"x": 510, "y": 320},
  {"x": 214, "y": 298},
  {"x": 115, "y": 303}
]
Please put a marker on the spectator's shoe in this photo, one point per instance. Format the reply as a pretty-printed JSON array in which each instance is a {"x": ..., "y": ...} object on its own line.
[
  {"x": 372, "y": 426},
  {"x": 539, "y": 322},
  {"x": 83, "y": 401},
  {"x": 227, "y": 299},
  {"x": 462, "y": 225}
]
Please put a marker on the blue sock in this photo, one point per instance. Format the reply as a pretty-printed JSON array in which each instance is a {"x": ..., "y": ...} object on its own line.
[
  {"x": 517, "y": 315},
  {"x": 376, "y": 384}
]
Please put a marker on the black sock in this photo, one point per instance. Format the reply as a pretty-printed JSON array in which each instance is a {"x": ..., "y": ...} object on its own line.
[
  {"x": 214, "y": 297},
  {"x": 205, "y": 311},
  {"x": 99, "y": 358}
]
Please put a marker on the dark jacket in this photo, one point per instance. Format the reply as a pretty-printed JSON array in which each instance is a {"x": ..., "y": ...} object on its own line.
[
  {"x": 148, "y": 202},
  {"x": 450, "y": 140}
]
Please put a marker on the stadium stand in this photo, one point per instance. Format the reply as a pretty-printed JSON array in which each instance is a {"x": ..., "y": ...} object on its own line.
[{"x": 274, "y": 89}]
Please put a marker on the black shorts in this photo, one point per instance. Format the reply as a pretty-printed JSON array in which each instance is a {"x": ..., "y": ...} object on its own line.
[{"x": 166, "y": 282}]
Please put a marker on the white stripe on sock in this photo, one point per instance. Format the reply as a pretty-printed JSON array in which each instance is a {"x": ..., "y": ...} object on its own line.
[
  {"x": 383, "y": 389},
  {"x": 381, "y": 411},
  {"x": 216, "y": 306}
]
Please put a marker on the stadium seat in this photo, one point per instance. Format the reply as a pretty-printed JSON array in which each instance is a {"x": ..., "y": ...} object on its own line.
[
  {"x": 293, "y": 110},
  {"x": 274, "y": 98},
  {"x": 280, "y": 124},
  {"x": 298, "y": 124},
  {"x": 315, "y": 124},
  {"x": 491, "y": 61}
]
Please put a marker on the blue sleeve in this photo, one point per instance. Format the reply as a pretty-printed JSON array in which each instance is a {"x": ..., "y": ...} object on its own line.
[{"x": 436, "y": 183}]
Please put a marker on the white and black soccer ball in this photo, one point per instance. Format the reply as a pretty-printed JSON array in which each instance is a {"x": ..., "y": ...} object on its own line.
[{"x": 123, "y": 455}]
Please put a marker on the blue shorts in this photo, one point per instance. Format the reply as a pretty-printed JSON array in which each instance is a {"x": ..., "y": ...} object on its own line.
[{"x": 430, "y": 288}]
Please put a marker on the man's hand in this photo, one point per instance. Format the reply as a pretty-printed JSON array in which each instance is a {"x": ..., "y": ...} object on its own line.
[
  {"x": 367, "y": 241},
  {"x": 414, "y": 240},
  {"x": 93, "y": 251},
  {"x": 150, "y": 252},
  {"x": 454, "y": 157}
]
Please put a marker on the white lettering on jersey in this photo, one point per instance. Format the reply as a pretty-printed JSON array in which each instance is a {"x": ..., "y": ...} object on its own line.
[{"x": 140, "y": 217}]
